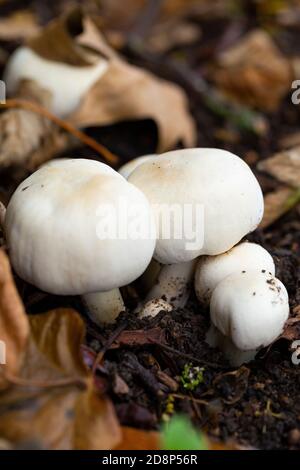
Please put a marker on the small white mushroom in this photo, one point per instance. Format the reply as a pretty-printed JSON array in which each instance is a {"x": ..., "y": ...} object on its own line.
[
  {"x": 211, "y": 270},
  {"x": 67, "y": 83},
  {"x": 68, "y": 228},
  {"x": 248, "y": 311},
  {"x": 154, "y": 307},
  {"x": 210, "y": 196},
  {"x": 173, "y": 283},
  {"x": 130, "y": 166}
]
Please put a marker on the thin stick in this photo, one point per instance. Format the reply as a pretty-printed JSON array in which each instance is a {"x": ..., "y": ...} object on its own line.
[
  {"x": 107, "y": 345},
  {"x": 189, "y": 357},
  {"x": 110, "y": 157}
]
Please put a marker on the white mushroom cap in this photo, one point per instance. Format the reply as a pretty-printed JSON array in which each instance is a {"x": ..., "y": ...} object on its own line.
[
  {"x": 250, "y": 309},
  {"x": 130, "y": 166},
  {"x": 53, "y": 232},
  {"x": 214, "y": 180},
  {"x": 211, "y": 270},
  {"x": 67, "y": 83}
]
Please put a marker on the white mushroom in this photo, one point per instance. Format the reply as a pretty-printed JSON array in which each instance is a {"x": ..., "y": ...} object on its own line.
[
  {"x": 248, "y": 311},
  {"x": 67, "y": 83},
  {"x": 130, "y": 166},
  {"x": 211, "y": 270},
  {"x": 204, "y": 201},
  {"x": 154, "y": 307},
  {"x": 76, "y": 227}
]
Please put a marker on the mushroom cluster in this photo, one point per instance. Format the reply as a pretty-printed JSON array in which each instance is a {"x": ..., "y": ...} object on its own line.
[
  {"x": 248, "y": 305},
  {"x": 187, "y": 211}
]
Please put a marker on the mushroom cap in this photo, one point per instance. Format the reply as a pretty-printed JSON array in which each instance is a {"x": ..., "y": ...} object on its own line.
[
  {"x": 54, "y": 226},
  {"x": 130, "y": 166},
  {"x": 67, "y": 83},
  {"x": 216, "y": 181},
  {"x": 250, "y": 309},
  {"x": 211, "y": 270}
]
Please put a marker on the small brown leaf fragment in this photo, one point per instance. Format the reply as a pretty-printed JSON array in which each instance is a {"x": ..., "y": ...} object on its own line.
[
  {"x": 140, "y": 337},
  {"x": 254, "y": 72},
  {"x": 26, "y": 138},
  {"x": 20, "y": 25},
  {"x": 276, "y": 205},
  {"x": 291, "y": 330},
  {"x": 136, "y": 439},
  {"x": 14, "y": 325},
  {"x": 284, "y": 166}
]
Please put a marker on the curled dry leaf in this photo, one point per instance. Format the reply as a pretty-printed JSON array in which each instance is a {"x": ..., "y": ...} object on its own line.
[
  {"x": 284, "y": 166},
  {"x": 123, "y": 92},
  {"x": 26, "y": 138},
  {"x": 14, "y": 326},
  {"x": 135, "y": 439},
  {"x": 276, "y": 205},
  {"x": 254, "y": 72},
  {"x": 53, "y": 400}
]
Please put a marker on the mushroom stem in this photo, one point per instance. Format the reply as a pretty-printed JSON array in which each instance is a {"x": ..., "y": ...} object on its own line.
[
  {"x": 149, "y": 277},
  {"x": 173, "y": 283},
  {"x": 235, "y": 356},
  {"x": 104, "y": 307}
]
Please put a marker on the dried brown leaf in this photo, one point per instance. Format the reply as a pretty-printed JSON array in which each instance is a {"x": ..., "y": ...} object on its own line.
[
  {"x": 124, "y": 92},
  {"x": 20, "y": 25},
  {"x": 26, "y": 138},
  {"x": 284, "y": 166},
  {"x": 53, "y": 399},
  {"x": 291, "y": 330},
  {"x": 14, "y": 326},
  {"x": 276, "y": 205},
  {"x": 254, "y": 72},
  {"x": 128, "y": 93},
  {"x": 135, "y": 439}
]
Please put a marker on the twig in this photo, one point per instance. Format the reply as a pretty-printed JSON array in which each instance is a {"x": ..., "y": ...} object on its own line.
[
  {"x": 189, "y": 357},
  {"x": 107, "y": 345},
  {"x": 111, "y": 158},
  {"x": 191, "y": 398}
]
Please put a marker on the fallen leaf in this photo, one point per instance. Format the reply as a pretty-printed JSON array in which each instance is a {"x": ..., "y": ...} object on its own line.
[
  {"x": 20, "y": 25},
  {"x": 26, "y": 138},
  {"x": 254, "y": 72},
  {"x": 136, "y": 439},
  {"x": 53, "y": 399},
  {"x": 284, "y": 166},
  {"x": 14, "y": 326},
  {"x": 276, "y": 205},
  {"x": 123, "y": 92},
  {"x": 172, "y": 34},
  {"x": 291, "y": 330}
]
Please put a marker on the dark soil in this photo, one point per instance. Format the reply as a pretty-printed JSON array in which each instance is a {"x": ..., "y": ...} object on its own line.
[{"x": 257, "y": 405}]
